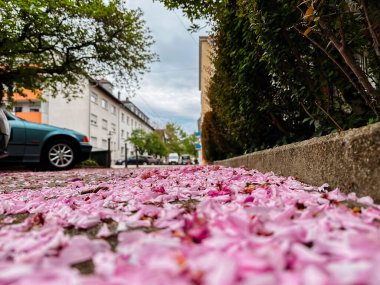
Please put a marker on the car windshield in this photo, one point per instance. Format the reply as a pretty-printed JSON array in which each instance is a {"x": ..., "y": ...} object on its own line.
[{"x": 10, "y": 116}]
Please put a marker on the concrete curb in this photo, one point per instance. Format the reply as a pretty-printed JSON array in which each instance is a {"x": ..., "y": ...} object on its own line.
[{"x": 349, "y": 160}]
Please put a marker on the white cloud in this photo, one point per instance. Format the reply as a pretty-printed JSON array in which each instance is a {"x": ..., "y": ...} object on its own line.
[{"x": 163, "y": 105}]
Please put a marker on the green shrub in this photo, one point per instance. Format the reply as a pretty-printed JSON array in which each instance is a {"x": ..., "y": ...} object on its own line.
[{"x": 89, "y": 163}]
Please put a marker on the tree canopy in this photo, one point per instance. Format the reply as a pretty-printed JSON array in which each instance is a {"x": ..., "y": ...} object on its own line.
[
  {"x": 174, "y": 138},
  {"x": 43, "y": 42},
  {"x": 155, "y": 145},
  {"x": 176, "y": 141},
  {"x": 285, "y": 71},
  {"x": 139, "y": 140},
  {"x": 189, "y": 143}
]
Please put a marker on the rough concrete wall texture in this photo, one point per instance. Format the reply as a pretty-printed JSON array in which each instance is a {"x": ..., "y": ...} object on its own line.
[{"x": 348, "y": 160}]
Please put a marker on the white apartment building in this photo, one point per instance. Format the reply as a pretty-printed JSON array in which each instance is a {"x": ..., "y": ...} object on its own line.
[{"x": 95, "y": 112}]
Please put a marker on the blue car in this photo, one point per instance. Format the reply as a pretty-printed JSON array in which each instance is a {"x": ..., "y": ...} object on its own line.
[{"x": 47, "y": 146}]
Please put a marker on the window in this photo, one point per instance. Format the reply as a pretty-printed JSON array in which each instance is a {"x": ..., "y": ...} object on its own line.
[
  {"x": 34, "y": 110},
  {"x": 93, "y": 119},
  {"x": 104, "y": 124},
  {"x": 104, "y": 144},
  {"x": 104, "y": 104},
  {"x": 122, "y": 134},
  {"x": 113, "y": 109},
  {"x": 94, "y": 98},
  {"x": 113, "y": 127},
  {"x": 94, "y": 141},
  {"x": 128, "y": 121},
  {"x": 122, "y": 117},
  {"x": 18, "y": 109}
]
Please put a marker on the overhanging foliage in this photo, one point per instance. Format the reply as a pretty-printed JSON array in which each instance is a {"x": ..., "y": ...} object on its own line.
[
  {"x": 287, "y": 71},
  {"x": 43, "y": 42}
]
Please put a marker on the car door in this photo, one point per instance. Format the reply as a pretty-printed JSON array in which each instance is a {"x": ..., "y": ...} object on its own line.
[{"x": 16, "y": 146}]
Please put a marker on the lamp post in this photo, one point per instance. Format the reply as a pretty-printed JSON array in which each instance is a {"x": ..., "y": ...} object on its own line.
[
  {"x": 109, "y": 152},
  {"x": 137, "y": 157},
  {"x": 110, "y": 133},
  {"x": 126, "y": 153}
]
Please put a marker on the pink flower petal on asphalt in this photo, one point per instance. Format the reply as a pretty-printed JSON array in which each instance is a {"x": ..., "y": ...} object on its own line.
[
  {"x": 365, "y": 200},
  {"x": 184, "y": 225},
  {"x": 105, "y": 263},
  {"x": 103, "y": 232},
  {"x": 80, "y": 249},
  {"x": 12, "y": 272}
]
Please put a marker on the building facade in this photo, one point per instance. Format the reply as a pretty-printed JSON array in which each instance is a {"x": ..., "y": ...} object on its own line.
[
  {"x": 93, "y": 111},
  {"x": 205, "y": 73}
]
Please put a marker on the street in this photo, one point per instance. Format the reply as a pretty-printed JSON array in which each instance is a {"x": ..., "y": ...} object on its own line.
[{"x": 182, "y": 225}]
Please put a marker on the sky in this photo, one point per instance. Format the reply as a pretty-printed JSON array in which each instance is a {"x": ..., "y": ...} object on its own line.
[{"x": 170, "y": 92}]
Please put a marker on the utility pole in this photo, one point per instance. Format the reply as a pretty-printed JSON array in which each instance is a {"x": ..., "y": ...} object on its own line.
[
  {"x": 109, "y": 153},
  {"x": 137, "y": 158},
  {"x": 109, "y": 149},
  {"x": 126, "y": 154}
]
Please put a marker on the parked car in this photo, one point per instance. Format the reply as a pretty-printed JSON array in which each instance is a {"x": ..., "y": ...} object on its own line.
[
  {"x": 120, "y": 162},
  {"x": 48, "y": 146},
  {"x": 185, "y": 159},
  {"x": 153, "y": 160},
  {"x": 173, "y": 158},
  {"x": 132, "y": 160},
  {"x": 142, "y": 160}
]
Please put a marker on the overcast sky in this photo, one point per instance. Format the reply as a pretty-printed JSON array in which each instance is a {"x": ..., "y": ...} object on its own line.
[{"x": 169, "y": 93}]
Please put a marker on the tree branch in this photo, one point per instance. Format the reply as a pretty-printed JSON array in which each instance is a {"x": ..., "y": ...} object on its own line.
[
  {"x": 341, "y": 68},
  {"x": 329, "y": 116},
  {"x": 376, "y": 44},
  {"x": 349, "y": 60}
]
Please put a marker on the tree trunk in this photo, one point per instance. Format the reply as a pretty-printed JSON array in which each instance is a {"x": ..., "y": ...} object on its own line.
[
  {"x": 350, "y": 61},
  {"x": 376, "y": 44},
  {"x": 344, "y": 71}
]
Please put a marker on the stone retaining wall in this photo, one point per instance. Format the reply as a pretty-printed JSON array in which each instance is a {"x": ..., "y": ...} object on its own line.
[{"x": 349, "y": 160}]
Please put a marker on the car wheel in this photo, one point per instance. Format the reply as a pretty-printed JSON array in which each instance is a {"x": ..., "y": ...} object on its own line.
[
  {"x": 60, "y": 155},
  {"x": 144, "y": 163}
]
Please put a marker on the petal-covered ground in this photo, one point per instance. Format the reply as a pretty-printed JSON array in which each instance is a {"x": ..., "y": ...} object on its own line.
[{"x": 183, "y": 225}]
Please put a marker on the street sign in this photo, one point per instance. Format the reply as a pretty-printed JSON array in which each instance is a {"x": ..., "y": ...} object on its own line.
[
  {"x": 198, "y": 146},
  {"x": 197, "y": 134}
]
